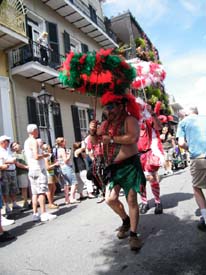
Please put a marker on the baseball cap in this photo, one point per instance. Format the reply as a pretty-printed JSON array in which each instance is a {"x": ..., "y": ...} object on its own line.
[{"x": 4, "y": 137}]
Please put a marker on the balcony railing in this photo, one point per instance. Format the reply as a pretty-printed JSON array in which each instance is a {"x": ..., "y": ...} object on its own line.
[
  {"x": 95, "y": 18},
  {"x": 13, "y": 16},
  {"x": 34, "y": 52}
]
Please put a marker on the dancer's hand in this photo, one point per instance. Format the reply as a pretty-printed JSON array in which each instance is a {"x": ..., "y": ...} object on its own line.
[{"x": 93, "y": 127}]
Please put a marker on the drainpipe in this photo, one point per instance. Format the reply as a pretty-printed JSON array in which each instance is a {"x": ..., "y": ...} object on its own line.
[{"x": 15, "y": 116}]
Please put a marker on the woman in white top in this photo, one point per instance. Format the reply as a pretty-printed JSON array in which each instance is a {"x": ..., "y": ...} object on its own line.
[
  {"x": 50, "y": 165},
  {"x": 64, "y": 160}
]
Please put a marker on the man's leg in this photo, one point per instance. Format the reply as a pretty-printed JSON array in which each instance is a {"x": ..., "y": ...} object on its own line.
[
  {"x": 24, "y": 195},
  {"x": 5, "y": 192},
  {"x": 41, "y": 198},
  {"x": 134, "y": 242},
  {"x": 144, "y": 206},
  {"x": 112, "y": 199},
  {"x": 154, "y": 182},
  {"x": 199, "y": 197},
  {"x": 34, "y": 203},
  {"x": 133, "y": 210}
]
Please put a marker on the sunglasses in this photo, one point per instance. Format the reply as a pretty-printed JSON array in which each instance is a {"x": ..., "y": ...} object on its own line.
[{"x": 110, "y": 106}]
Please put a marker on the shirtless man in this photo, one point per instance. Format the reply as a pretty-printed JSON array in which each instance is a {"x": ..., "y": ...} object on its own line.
[
  {"x": 119, "y": 135},
  {"x": 37, "y": 173}
]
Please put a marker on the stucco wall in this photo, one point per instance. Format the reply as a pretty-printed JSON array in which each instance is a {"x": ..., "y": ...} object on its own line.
[
  {"x": 46, "y": 13},
  {"x": 26, "y": 87}
]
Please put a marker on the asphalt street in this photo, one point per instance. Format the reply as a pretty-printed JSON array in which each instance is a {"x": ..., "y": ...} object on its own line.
[{"x": 82, "y": 240}]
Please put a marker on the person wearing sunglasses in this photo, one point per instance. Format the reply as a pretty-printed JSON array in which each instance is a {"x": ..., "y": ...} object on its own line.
[{"x": 119, "y": 135}]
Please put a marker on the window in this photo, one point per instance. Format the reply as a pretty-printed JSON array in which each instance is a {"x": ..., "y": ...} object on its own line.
[
  {"x": 74, "y": 45},
  {"x": 43, "y": 122},
  {"x": 81, "y": 116},
  {"x": 48, "y": 120},
  {"x": 85, "y": 48},
  {"x": 83, "y": 121},
  {"x": 93, "y": 14}
]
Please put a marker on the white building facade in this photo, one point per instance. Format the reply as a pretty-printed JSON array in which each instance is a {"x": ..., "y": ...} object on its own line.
[{"x": 73, "y": 25}]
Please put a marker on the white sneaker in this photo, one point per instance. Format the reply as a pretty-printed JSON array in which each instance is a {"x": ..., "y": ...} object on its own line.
[
  {"x": 36, "y": 217},
  {"x": 170, "y": 172},
  {"x": 47, "y": 217},
  {"x": 6, "y": 222}
]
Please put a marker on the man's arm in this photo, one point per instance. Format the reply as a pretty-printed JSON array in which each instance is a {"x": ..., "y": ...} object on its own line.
[
  {"x": 182, "y": 143},
  {"x": 21, "y": 165},
  {"x": 181, "y": 136}
]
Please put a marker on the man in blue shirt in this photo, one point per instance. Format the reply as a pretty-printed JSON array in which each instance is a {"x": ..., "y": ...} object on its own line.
[{"x": 191, "y": 134}]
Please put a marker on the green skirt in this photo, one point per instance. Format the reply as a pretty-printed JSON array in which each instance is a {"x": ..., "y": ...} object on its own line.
[{"x": 129, "y": 175}]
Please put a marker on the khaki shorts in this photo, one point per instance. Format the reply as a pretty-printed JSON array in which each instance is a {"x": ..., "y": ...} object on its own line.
[
  {"x": 23, "y": 181},
  {"x": 38, "y": 181},
  {"x": 198, "y": 172}
]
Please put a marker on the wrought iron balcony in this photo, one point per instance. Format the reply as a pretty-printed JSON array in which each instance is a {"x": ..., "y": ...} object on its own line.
[
  {"x": 34, "y": 52},
  {"x": 35, "y": 62},
  {"x": 12, "y": 24}
]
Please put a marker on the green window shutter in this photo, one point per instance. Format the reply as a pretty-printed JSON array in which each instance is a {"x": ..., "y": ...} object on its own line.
[
  {"x": 66, "y": 38},
  {"x": 76, "y": 124},
  {"x": 84, "y": 47},
  {"x": 31, "y": 109},
  {"x": 57, "y": 119}
]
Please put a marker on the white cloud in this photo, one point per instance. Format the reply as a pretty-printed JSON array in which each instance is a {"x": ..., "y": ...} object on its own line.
[
  {"x": 151, "y": 10},
  {"x": 190, "y": 6},
  {"x": 186, "y": 80},
  {"x": 190, "y": 64},
  {"x": 194, "y": 7}
]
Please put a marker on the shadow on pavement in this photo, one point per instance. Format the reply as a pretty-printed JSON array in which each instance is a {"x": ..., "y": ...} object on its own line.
[
  {"x": 64, "y": 210},
  {"x": 18, "y": 215},
  {"x": 171, "y": 246},
  {"x": 24, "y": 227},
  {"x": 172, "y": 200}
]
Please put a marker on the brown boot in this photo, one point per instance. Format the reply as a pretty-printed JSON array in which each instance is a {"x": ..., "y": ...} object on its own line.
[
  {"x": 122, "y": 231},
  {"x": 135, "y": 243}
]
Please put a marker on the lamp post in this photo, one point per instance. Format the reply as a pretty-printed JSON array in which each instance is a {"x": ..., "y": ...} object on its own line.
[{"x": 45, "y": 99}]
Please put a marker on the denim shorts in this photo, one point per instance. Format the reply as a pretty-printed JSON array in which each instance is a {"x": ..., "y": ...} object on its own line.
[
  {"x": 38, "y": 181},
  {"x": 69, "y": 175}
]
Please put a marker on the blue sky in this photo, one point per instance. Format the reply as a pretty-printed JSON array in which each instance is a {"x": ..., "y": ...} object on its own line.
[{"x": 177, "y": 28}]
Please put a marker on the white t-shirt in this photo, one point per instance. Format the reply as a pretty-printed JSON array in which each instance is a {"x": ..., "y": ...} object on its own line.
[{"x": 6, "y": 155}]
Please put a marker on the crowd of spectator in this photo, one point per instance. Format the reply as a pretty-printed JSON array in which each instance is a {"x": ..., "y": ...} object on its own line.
[{"x": 35, "y": 171}]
